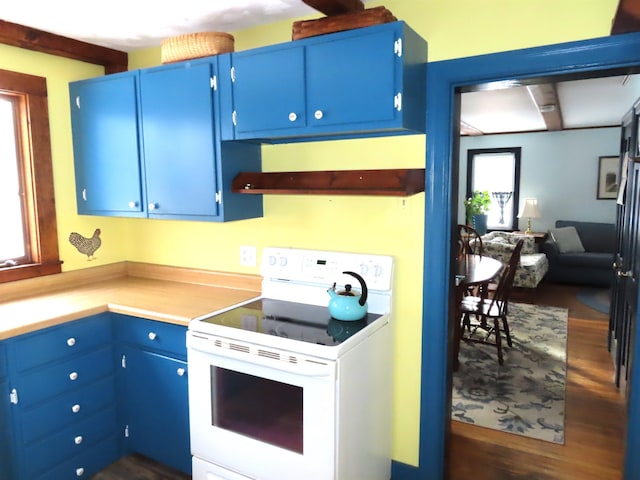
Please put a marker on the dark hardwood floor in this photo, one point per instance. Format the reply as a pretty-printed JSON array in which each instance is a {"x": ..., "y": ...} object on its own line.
[
  {"x": 595, "y": 419},
  {"x": 595, "y": 413}
]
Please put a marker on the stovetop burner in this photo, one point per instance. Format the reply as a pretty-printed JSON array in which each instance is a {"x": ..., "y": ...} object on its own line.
[{"x": 296, "y": 321}]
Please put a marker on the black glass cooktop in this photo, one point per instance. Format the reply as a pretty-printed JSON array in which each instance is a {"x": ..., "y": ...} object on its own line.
[{"x": 297, "y": 321}]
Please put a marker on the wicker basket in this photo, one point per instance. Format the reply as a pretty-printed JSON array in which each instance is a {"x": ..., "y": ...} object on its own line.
[{"x": 195, "y": 45}]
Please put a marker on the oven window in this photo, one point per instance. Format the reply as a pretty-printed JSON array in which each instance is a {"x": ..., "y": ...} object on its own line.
[{"x": 258, "y": 408}]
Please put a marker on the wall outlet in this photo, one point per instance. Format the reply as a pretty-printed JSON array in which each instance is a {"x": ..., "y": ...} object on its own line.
[{"x": 247, "y": 256}]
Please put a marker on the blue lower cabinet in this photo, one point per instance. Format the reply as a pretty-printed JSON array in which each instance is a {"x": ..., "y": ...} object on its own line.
[
  {"x": 156, "y": 413},
  {"x": 75, "y": 397}
]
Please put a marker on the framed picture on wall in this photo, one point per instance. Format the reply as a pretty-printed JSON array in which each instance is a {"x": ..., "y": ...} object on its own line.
[{"x": 608, "y": 178}]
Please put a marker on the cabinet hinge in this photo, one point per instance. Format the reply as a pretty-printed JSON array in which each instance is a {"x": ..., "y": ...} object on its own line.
[
  {"x": 214, "y": 82},
  {"x": 397, "y": 102},
  {"x": 13, "y": 396},
  {"x": 234, "y": 118},
  {"x": 397, "y": 47},
  {"x": 123, "y": 361},
  {"x": 233, "y": 74},
  {"x": 84, "y": 194},
  {"x": 126, "y": 431},
  {"x": 78, "y": 101},
  {"x": 218, "y": 196}
]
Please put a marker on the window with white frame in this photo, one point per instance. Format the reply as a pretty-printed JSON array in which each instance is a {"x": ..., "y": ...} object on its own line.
[{"x": 496, "y": 171}]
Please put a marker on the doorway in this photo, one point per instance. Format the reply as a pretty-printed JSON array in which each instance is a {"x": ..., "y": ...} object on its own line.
[{"x": 443, "y": 78}]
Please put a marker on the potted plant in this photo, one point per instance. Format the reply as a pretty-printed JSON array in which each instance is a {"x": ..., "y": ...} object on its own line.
[{"x": 476, "y": 208}]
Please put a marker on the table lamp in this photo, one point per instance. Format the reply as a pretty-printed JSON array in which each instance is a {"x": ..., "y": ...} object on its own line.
[{"x": 529, "y": 210}]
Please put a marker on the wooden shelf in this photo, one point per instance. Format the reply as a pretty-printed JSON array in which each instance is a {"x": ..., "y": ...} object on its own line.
[{"x": 392, "y": 182}]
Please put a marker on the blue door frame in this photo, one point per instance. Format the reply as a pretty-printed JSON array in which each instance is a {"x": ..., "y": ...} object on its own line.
[{"x": 441, "y": 213}]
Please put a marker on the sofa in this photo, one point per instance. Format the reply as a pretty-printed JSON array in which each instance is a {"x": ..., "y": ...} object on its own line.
[
  {"x": 532, "y": 266},
  {"x": 581, "y": 253}
]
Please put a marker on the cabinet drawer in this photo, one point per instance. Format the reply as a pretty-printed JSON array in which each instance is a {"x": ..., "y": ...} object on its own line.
[
  {"x": 153, "y": 335},
  {"x": 62, "y": 341},
  {"x": 86, "y": 463},
  {"x": 48, "y": 382},
  {"x": 45, "y": 454},
  {"x": 67, "y": 410}
]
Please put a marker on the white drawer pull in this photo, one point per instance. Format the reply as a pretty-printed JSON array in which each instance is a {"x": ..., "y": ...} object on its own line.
[
  {"x": 152, "y": 335},
  {"x": 71, "y": 341},
  {"x": 293, "y": 117},
  {"x": 78, "y": 440},
  {"x": 180, "y": 372},
  {"x": 79, "y": 472},
  {"x": 318, "y": 114},
  {"x": 75, "y": 408},
  {"x": 73, "y": 376}
]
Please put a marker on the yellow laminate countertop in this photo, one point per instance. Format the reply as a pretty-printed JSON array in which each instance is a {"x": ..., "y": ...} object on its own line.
[{"x": 170, "y": 294}]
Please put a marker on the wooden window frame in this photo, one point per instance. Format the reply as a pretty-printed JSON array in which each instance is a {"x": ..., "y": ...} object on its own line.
[{"x": 37, "y": 168}]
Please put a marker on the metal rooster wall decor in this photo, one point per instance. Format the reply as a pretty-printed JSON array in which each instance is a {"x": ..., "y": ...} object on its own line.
[{"x": 87, "y": 246}]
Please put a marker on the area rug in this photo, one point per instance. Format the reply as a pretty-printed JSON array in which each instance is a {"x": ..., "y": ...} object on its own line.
[
  {"x": 597, "y": 298},
  {"x": 526, "y": 395}
]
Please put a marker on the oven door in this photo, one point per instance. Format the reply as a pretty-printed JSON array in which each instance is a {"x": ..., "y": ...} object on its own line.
[{"x": 261, "y": 416}]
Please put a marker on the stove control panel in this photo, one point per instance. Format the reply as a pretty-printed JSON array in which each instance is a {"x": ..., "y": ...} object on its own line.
[{"x": 324, "y": 268}]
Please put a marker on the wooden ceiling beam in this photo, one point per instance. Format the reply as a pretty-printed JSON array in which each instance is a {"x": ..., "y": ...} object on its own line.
[
  {"x": 335, "y": 7},
  {"x": 627, "y": 17},
  {"x": 45, "y": 42},
  {"x": 545, "y": 96}
]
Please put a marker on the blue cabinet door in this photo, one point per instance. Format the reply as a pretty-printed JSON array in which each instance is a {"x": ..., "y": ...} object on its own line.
[
  {"x": 352, "y": 81},
  {"x": 268, "y": 90},
  {"x": 157, "y": 407},
  {"x": 104, "y": 119},
  {"x": 179, "y": 140}
]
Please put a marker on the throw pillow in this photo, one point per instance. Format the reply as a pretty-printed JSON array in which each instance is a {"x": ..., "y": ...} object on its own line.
[{"x": 567, "y": 239}]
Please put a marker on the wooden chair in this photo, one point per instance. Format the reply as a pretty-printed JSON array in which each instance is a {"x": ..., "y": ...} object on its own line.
[
  {"x": 490, "y": 314},
  {"x": 469, "y": 241}
]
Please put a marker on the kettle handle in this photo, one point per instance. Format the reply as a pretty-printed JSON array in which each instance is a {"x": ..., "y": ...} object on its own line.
[{"x": 363, "y": 286}]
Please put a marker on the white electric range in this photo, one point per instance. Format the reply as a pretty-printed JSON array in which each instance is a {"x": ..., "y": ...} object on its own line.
[{"x": 278, "y": 389}]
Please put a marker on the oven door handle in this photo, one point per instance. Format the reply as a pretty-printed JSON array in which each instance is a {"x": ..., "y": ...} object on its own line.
[{"x": 305, "y": 367}]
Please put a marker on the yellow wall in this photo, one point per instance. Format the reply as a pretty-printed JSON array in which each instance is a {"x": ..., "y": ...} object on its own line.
[{"x": 453, "y": 28}]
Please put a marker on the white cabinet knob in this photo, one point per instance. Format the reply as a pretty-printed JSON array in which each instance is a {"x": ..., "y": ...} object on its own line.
[
  {"x": 75, "y": 408},
  {"x": 79, "y": 472},
  {"x": 153, "y": 206},
  {"x": 78, "y": 440},
  {"x": 318, "y": 114},
  {"x": 73, "y": 376},
  {"x": 293, "y": 117},
  {"x": 152, "y": 335},
  {"x": 71, "y": 341},
  {"x": 181, "y": 372},
  {"x": 133, "y": 204}
]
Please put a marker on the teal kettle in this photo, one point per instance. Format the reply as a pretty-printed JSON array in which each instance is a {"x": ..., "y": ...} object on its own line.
[{"x": 347, "y": 305}]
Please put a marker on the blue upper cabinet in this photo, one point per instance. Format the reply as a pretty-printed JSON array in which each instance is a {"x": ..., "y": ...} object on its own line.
[
  {"x": 104, "y": 120},
  {"x": 359, "y": 83},
  {"x": 155, "y": 132}
]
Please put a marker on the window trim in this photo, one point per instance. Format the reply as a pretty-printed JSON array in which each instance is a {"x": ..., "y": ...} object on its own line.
[
  {"x": 516, "y": 152},
  {"x": 38, "y": 165}
]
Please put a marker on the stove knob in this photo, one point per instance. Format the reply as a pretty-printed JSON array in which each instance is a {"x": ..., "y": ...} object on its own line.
[
  {"x": 364, "y": 269},
  {"x": 272, "y": 260},
  {"x": 283, "y": 261}
]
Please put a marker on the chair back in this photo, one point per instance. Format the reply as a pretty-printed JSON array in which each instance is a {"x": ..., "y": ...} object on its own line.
[
  {"x": 469, "y": 241},
  {"x": 501, "y": 296}
]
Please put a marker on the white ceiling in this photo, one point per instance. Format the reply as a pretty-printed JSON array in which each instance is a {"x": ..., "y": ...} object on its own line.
[
  {"x": 128, "y": 25},
  {"x": 596, "y": 102}
]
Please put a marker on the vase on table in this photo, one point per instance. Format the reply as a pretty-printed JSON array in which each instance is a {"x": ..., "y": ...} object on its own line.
[{"x": 479, "y": 223}]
